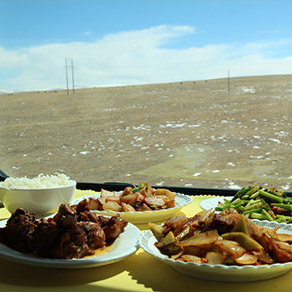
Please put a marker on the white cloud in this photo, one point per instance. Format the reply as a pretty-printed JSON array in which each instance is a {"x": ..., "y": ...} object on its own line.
[
  {"x": 87, "y": 33},
  {"x": 136, "y": 57}
]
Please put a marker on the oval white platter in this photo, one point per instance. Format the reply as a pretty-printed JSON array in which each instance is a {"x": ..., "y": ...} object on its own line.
[
  {"x": 181, "y": 200},
  {"x": 222, "y": 273},
  {"x": 125, "y": 245},
  {"x": 211, "y": 203}
]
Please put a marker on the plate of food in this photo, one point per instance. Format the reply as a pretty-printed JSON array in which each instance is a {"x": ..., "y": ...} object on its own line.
[
  {"x": 137, "y": 204},
  {"x": 256, "y": 202},
  {"x": 225, "y": 247},
  {"x": 71, "y": 239}
]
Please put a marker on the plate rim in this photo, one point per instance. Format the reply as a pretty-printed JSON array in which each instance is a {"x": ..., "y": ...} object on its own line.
[{"x": 210, "y": 199}]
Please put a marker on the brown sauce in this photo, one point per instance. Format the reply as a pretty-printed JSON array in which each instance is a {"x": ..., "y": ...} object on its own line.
[{"x": 100, "y": 251}]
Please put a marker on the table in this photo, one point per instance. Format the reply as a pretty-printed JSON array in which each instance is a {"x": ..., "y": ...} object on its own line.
[{"x": 139, "y": 272}]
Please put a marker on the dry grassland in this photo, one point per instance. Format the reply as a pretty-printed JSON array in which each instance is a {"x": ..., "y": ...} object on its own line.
[{"x": 186, "y": 133}]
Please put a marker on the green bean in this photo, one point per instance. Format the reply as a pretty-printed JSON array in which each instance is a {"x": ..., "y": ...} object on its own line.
[
  {"x": 254, "y": 195},
  {"x": 270, "y": 197},
  {"x": 241, "y": 192},
  {"x": 283, "y": 218},
  {"x": 257, "y": 210},
  {"x": 257, "y": 216},
  {"x": 267, "y": 215},
  {"x": 219, "y": 208},
  {"x": 252, "y": 191},
  {"x": 249, "y": 203},
  {"x": 253, "y": 205},
  {"x": 284, "y": 206}
]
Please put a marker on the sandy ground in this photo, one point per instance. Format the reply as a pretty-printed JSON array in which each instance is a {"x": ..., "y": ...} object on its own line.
[{"x": 187, "y": 133}]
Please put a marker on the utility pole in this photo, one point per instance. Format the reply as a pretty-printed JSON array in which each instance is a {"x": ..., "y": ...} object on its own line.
[
  {"x": 228, "y": 82},
  {"x": 69, "y": 67},
  {"x": 72, "y": 69},
  {"x": 66, "y": 69}
]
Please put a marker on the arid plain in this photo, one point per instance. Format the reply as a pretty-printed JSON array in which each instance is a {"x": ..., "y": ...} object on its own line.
[{"x": 196, "y": 133}]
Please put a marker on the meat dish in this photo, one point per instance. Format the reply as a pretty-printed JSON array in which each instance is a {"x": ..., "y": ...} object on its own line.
[
  {"x": 226, "y": 238},
  {"x": 73, "y": 232}
]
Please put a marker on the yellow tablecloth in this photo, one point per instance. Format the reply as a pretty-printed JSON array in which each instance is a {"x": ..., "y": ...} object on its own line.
[{"x": 139, "y": 272}]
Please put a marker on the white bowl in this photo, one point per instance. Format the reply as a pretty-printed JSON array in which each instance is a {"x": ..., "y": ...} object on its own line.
[{"x": 39, "y": 201}]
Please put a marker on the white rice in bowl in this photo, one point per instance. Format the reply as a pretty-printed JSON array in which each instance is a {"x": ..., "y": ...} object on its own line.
[{"x": 39, "y": 182}]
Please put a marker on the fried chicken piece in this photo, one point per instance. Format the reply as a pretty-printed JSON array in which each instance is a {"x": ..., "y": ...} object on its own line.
[
  {"x": 18, "y": 231},
  {"x": 112, "y": 226}
]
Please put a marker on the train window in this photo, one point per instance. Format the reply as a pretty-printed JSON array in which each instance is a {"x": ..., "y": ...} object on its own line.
[{"x": 186, "y": 93}]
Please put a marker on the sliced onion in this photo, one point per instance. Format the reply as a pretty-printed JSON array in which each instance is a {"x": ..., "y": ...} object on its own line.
[
  {"x": 247, "y": 259},
  {"x": 199, "y": 239}
]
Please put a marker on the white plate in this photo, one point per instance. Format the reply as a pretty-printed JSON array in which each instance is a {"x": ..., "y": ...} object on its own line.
[
  {"x": 212, "y": 202},
  {"x": 145, "y": 216},
  {"x": 223, "y": 273},
  {"x": 125, "y": 245}
]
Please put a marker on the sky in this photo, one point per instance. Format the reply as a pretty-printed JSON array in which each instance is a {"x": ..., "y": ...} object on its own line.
[{"x": 124, "y": 42}]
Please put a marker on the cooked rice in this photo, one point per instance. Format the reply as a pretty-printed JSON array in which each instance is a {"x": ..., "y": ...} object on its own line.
[{"x": 39, "y": 182}]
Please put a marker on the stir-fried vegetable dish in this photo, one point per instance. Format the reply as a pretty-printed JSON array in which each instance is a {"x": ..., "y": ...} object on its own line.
[
  {"x": 221, "y": 238},
  {"x": 259, "y": 203},
  {"x": 138, "y": 198}
]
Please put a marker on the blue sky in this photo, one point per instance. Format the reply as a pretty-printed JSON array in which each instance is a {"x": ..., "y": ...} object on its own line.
[{"x": 137, "y": 42}]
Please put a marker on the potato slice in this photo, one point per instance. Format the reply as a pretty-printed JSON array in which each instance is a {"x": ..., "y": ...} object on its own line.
[
  {"x": 144, "y": 207},
  {"x": 227, "y": 243},
  {"x": 168, "y": 239},
  {"x": 165, "y": 192},
  {"x": 106, "y": 194},
  {"x": 156, "y": 230},
  {"x": 127, "y": 207},
  {"x": 193, "y": 250},
  {"x": 247, "y": 259},
  {"x": 111, "y": 205},
  {"x": 101, "y": 200},
  {"x": 140, "y": 197},
  {"x": 129, "y": 199},
  {"x": 243, "y": 239},
  {"x": 154, "y": 202},
  {"x": 282, "y": 237},
  {"x": 170, "y": 204},
  {"x": 232, "y": 248},
  {"x": 191, "y": 258},
  {"x": 176, "y": 256},
  {"x": 147, "y": 190},
  {"x": 113, "y": 199},
  {"x": 164, "y": 198},
  {"x": 93, "y": 204},
  {"x": 200, "y": 239},
  {"x": 285, "y": 246},
  {"x": 127, "y": 191},
  {"x": 265, "y": 258},
  {"x": 215, "y": 258}
]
